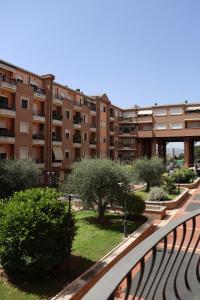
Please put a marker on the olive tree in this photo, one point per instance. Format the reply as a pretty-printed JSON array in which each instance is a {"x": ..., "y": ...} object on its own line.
[
  {"x": 96, "y": 181},
  {"x": 149, "y": 171},
  {"x": 16, "y": 175}
]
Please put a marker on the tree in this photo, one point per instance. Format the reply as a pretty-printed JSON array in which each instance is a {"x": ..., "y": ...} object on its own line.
[
  {"x": 96, "y": 181},
  {"x": 149, "y": 171},
  {"x": 16, "y": 175},
  {"x": 135, "y": 205},
  {"x": 34, "y": 234}
]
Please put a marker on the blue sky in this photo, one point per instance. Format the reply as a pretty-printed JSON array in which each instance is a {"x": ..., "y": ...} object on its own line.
[{"x": 137, "y": 51}]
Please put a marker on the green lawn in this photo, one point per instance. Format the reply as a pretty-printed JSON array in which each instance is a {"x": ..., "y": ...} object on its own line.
[
  {"x": 93, "y": 241},
  {"x": 145, "y": 195}
]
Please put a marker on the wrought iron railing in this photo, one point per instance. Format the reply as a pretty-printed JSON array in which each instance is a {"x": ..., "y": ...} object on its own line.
[{"x": 166, "y": 265}]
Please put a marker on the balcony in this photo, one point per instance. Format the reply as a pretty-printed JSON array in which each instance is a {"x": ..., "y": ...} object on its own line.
[
  {"x": 56, "y": 140},
  {"x": 38, "y": 139},
  {"x": 93, "y": 109},
  {"x": 146, "y": 119},
  {"x": 93, "y": 127},
  {"x": 39, "y": 94},
  {"x": 77, "y": 122},
  {"x": 93, "y": 144},
  {"x": 6, "y": 111},
  {"x": 125, "y": 132},
  {"x": 8, "y": 84},
  {"x": 163, "y": 266},
  {"x": 126, "y": 146},
  {"x": 7, "y": 136},
  {"x": 57, "y": 164},
  {"x": 38, "y": 117},
  {"x": 57, "y": 119},
  {"x": 123, "y": 120},
  {"x": 77, "y": 106},
  {"x": 77, "y": 141},
  {"x": 112, "y": 130},
  {"x": 58, "y": 100},
  {"x": 40, "y": 163}
]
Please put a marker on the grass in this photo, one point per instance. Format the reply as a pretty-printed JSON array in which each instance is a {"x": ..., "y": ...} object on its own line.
[
  {"x": 145, "y": 195},
  {"x": 94, "y": 239}
]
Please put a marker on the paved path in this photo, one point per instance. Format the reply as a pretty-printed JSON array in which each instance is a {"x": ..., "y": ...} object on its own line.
[{"x": 191, "y": 203}]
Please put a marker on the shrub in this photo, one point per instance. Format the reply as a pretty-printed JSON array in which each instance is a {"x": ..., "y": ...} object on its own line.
[
  {"x": 184, "y": 175},
  {"x": 135, "y": 205},
  {"x": 157, "y": 194},
  {"x": 34, "y": 233},
  {"x": 16, "y": 175},
  {"x": 168, "y": 183}
]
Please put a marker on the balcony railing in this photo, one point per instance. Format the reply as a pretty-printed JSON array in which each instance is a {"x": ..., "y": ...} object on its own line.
[
  {"x": 56, "y": 138},
  {"x": 7, "y": 133},
  {"x": 77, "y": 120},
  {"x": 93, "y": 126},
  {"x": 77, "y": 139},
  {"x": 38, "y": 136},
  {"x": 39, "y": 91},
  {"x": 39, "y": 114},
  {"x": 5, "y": 106},
  {"x": 93, "y": 142},
  {"x": 166, "y": 265},
  {"x": 7, "y": 79},
  {"x": 57, "y": 116}
]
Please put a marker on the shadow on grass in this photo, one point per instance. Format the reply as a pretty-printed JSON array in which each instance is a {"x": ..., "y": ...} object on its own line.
[
  {"x": 49, "y": 286},
  {"x": 116, "y": 222}
]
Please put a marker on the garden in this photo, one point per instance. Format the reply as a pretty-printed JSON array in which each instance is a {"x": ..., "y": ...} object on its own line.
[{"x": 44, "y": 244}]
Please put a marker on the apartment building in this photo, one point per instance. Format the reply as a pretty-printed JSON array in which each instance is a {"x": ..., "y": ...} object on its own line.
[{"x": 55, "y": 125}]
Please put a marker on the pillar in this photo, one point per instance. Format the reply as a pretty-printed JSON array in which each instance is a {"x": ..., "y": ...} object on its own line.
[
  {"x": 186, "y": 152},
  {"x": 153, "y": 147}
]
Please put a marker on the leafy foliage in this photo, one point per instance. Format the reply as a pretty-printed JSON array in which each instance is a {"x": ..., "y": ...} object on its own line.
[
  {"x": 149, "y": 171},
  {"x": 135, "y": 205},
  {"x": 16, "y": 175},
  {"x": 184, "y": 175},
  {"x": 157, "y": 194},
  {"x": 96, "y": 181},
  {"x": 168, "y": 183},
  {"x": 34, "y": 233}
]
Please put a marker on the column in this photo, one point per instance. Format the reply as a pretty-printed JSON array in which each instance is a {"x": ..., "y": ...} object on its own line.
[
  {"x": 153, "y": 147},
  {"x": 186, "y": 152}
]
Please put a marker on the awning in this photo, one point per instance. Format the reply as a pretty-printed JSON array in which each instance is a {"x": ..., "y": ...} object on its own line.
[
  {"x": 58, "y": 153},
  {"x": 193, "y": 108},
  {"x": 145, "y": 112}
]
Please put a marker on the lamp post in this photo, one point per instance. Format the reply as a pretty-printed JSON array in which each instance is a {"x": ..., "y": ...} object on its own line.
[
  {"x": 69, "y": 235},
  {"x": 125, "y": 215},
  {"x": 50, "y": 176}
]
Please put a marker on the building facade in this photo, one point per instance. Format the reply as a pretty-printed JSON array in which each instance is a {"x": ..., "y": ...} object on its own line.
[{"x": 55, "y": 125}]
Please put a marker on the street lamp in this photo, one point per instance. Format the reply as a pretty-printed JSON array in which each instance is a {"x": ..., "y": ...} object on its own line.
[
  {"x": 50, "y": 176},
  {"x": 125, "y": 216},
  {"x": 69, "y": 235}
]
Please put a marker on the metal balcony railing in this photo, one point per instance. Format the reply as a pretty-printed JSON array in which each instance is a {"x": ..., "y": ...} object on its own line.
[
  {"x": 38, "y": 136},
  {"x": 39, "y": 114},
  {"x": 57, "y": 116},
  {"x": 166, "y": 265},
  {"x": 77, "y": 120},
  {"x": 56, "y": 138},
  {"x": 7, "y": 79},
  {"x": 76, "y": 139},
  {"x": 39, "y": 91},
  {"x": 7, "y": 133},
  {"x": 5, "y": 106}
]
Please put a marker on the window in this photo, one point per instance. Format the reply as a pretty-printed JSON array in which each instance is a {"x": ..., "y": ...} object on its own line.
[
  {"x": 67, "y": 153},
  {"x": 24, "y": 103},
  {"x": 176, "y": 111},
  {"x": 3, "y": 153},
  {"x": 176, "y": 126},
  {"x": 104, "y": 140},
  {"x": 85, "y": 136},
  {"x": 67, "y": 133},
  {"x": 129, "y": 114},
  {"x": 160, "y": 126},
  {"x": 160, "y": 112},
  {"x": 68, "y": 114},
  {"x": 104, "y": 109},
  {"x": 24, "y": 127},
  {"x": 23, "y": 152},
  {"x": 85, "y": 119},
  {"x": 3, "y": 102},
  {"x": 19, "y": 78}
]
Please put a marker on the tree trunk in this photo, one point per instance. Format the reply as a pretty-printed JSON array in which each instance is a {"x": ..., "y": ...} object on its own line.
[
  {"x": 147, "y": 187},
  {"x": 101, "y": 210}
]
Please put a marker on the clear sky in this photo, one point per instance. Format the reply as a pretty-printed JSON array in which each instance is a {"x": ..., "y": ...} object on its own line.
[{"x": 137, "y": 51}]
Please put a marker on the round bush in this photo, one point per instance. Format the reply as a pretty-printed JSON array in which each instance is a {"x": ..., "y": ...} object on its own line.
[
  {"x": 36, "y": 231},
  {"x": 135, "y": 205},
  {"x": 157, "y": 194}
]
